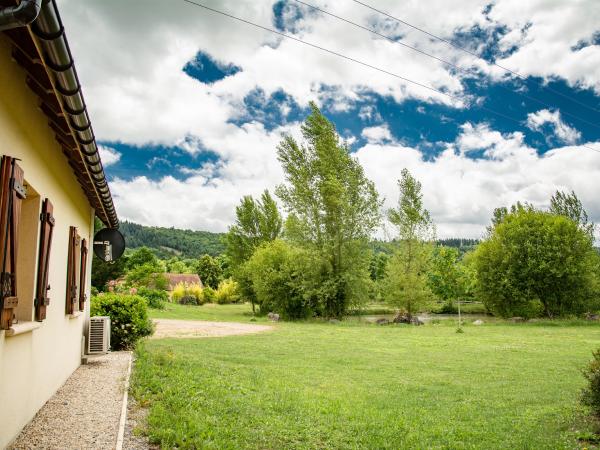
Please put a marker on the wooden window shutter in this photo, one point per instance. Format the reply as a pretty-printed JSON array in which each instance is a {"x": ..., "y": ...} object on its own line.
[
  {"x": 82, "y": 274},
  {"x": 73, "y": 271},
  {"x": 12, "y": 193},
  {"x": 42, "y": 287}
]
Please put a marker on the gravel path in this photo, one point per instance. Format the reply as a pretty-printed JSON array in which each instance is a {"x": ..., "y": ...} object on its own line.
[
  {"x": 201, "y": 328},
  {"x": 85, "y": 412}
]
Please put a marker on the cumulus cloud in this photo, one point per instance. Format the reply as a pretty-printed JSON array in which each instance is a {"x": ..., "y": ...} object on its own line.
[
  {"x": 461, "y": 192},
  {"x": 546, "y": 35},
  {"x": 138, "y": 94},
  {"x": 108, "y": 155},
  {"x": 567, "y": 134},
  {"x": 377, "y": 134}
]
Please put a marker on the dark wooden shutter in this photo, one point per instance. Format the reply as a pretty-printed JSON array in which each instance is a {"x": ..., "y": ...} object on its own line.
[
  {"x": 82, "y": 274},
  {"x": 12, "y": 193},
  {"x": 72, "y": 271},
  {"x": 46, "y": 229}
]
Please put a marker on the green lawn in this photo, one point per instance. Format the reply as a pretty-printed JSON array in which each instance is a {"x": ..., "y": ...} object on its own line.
[
  {"x": 352, "y": 385},
  {"x": 212, "y": 312}
]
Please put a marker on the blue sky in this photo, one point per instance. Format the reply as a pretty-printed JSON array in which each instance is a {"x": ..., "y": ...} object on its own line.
[{"x": 192, "y": 125}]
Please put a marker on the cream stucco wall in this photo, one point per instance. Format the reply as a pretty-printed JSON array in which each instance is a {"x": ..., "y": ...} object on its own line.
[{"x": 33, "y": 365}]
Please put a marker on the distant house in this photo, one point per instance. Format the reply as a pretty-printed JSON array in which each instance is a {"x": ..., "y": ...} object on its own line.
[
  {"x": 52, "y": 184},
  {"x": 182, "y": 278}
]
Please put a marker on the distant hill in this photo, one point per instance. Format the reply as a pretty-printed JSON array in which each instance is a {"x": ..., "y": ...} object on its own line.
[{"x": 167, "y": 242}]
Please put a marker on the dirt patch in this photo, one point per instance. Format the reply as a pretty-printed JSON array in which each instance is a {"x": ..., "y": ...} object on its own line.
[{"x": 200, "y": 328}]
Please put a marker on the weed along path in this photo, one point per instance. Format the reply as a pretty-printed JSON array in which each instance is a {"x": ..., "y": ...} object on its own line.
[{"x": 201, "y": 329}]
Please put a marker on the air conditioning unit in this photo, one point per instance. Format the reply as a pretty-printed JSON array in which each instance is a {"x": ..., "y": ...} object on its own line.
[{"x": 99, "y": 335}]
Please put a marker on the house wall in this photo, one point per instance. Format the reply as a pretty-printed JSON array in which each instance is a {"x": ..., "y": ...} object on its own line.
[{"x": 34, "y": 364}]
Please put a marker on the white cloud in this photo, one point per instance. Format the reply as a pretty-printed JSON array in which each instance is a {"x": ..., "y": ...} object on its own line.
[
  {"x": 377, "y": 134},
  {"x": 546, "y": 34},
  {"x": 108, "y": 155},
  {"x": 567, "y": 134},
  {"x": 462, "y": 192},
  {"x": 137, "y": 93}
]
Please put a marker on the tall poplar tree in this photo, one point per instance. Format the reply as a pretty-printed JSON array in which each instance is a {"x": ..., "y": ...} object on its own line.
[
  {"x": 332, "y": 207},
  {"x": 406, "y": 283}
]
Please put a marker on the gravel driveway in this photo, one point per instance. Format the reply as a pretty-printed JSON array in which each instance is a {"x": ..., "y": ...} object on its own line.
[{"x": 200, "y": 328}]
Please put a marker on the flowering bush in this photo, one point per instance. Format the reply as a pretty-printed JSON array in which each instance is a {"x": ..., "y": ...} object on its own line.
[{"x": 129, "y": 319}]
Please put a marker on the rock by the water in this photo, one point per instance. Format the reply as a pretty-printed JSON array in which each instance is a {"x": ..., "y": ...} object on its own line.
[
  {"x": 478, "y": 322},
  {"x": 334, "y": 321},
  {"x": 273, "y": 317},
  {"x": 401, "y": 318},
  {"x": 592, "y": 316},
  {"x": 404, "y": 318},
  {"x": 517, "y": 319},
  {"x": 382, "y": 321}
]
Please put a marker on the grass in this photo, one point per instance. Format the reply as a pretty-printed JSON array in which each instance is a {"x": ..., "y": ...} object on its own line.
[
  {"x": 352, "y": 385},
  {"x": 210, "y": 311}
]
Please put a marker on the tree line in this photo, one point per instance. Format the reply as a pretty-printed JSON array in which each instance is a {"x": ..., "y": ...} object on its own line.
[{"x": 321, "y": 261}]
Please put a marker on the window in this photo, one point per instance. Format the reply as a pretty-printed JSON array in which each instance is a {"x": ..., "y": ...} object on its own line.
[{"x": 28, "y": 232}]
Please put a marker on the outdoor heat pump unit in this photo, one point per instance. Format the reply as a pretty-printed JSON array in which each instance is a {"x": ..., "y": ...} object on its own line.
[{"x": 98, "y": 335}]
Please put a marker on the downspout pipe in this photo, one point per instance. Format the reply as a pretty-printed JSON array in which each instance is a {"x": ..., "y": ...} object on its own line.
[{"x": 19, "y": 15}]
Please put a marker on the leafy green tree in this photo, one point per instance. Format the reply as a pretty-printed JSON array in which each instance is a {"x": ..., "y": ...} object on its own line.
[
  {"x": 146, "y": 275},
  {"x": 536, "y": 262},
  {"x": 177, "y": 265},
  {"x": 377, "y": 266},
  {"x": 445, "y": 279},
  {"x": 225, "y": 265},
  {"x": 333, "y": 208},
  {"x": 257, "y": 222},
  {"x": 209, "y": 270},
  {"x": 103, "y": 272},
  {"x": 287, "y": 279},
  {"x": 406, "y": 284},
  {"x": 141, "y": 256},
  {"x": 570, "y": 206},
  {"x": 500, "y": 213}
]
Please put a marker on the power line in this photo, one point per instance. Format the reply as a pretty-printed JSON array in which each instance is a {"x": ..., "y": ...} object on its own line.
[
  {"x": 458, "y": 47},
  {"x": 395, "y": 41},
  {"x": 340, "y": 55}
]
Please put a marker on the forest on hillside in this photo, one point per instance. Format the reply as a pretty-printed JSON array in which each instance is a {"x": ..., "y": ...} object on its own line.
[{"x": 168, "y": 242}]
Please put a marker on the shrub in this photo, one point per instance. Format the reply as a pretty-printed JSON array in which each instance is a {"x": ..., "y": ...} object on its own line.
[
  {"x": 227, "y": 292},
  {"x": 287, "y": 280},
  {"x": 188, "y": 300},
  {"x": 178, "y": 292},
  {"x": 208, "y": 295},
  {"x": 129, "y": 319},
  {"x": 185, "y": 294},
  {"x": 536, "y": 262},
  {"x": 591, "y": 394},
  {"x": 156, "y": 298},
  {"x": 194, "y": 290}
]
